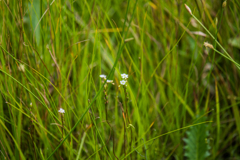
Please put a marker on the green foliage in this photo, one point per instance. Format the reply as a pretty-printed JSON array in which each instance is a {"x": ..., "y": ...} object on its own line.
[
  {"x": 197, "y": 144},
  {"x": 53, "y": 51}
]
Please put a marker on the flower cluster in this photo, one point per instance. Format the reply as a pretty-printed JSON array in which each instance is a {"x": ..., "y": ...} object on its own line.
[
  {"x": 122, "y": 82},
  {"x": 124, "y": 77},
  {"x": 105, "y": 77},
  {"x": 109, "y": 81}
]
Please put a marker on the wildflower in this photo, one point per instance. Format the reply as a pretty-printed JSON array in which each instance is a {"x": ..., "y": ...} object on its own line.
[
  {"x": 124, "y": 76},
  {"x": 61, "y": 110},
  {"x": 103, "y": 76},
  {"x": 123, "y": 82},
  {"x": 109, "y": 81}
]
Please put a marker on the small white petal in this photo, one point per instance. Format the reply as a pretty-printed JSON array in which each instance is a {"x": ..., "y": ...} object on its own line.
[
  {"x": 123, "y": 82},
  {"x": 61, "y": 110},
  {"x": 103, "y": 76},
  {"x": 124, "y": 76},
  {"x": 109, "y": 81}
]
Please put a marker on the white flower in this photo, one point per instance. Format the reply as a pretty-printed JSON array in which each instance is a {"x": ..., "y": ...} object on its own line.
[
  {"x": 103, "y": 76},
  {"x": 61, "y": 110},
  {"x": 124, "y": 76},
  {"x": 123, "y": 82},
  {"x": 109, "y": 81}
]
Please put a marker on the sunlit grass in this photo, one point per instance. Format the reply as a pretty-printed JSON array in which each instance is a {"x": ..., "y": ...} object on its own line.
[{"x": 181, "y": 67}]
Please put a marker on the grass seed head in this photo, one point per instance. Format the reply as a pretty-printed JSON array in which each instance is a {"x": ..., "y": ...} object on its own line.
[
  {"x": 188, "y": 9},
  {"x": 224, "y": 4},
  {"x": 208, "y": 45}
]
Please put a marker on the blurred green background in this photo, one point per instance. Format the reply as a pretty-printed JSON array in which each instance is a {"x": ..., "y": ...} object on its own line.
[{"x": 181, "y": 100}]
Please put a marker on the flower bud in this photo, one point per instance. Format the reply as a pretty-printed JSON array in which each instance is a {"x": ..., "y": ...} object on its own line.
[{"x": 224, "y": 4}]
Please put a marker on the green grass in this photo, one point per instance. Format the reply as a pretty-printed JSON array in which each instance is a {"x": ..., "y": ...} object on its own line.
[{"x": 178, "y": 91}]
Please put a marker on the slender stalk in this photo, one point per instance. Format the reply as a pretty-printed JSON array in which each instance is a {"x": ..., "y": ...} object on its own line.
[
  {"x": 106, "y": 101},
  {"x": 106, "y": 104},
  {"x": 227, "y": 57},
  {"x": 62, "y": 125},
  {"x": 124, "y": 129},
  {"x": 127, "y": 116},
  {"x": 31, "y": 131},
  {"x": 124, "y": 146}
]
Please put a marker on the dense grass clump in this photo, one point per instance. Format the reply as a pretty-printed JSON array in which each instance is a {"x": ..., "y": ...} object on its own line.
[{"x": 130, "y": 79}]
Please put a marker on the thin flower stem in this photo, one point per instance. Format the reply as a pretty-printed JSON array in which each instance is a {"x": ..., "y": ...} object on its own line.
[
  {"x": 127, "y": 116},
  {"x": 125, "y": 102},
  {"x": 106, "y": 102},
  {"x": 124, "y": 129},
  {"x": 113, "y": 139},
  {"x": 124, "y": 146},
  {"x": 32, "y": 135},
  {"x": 62, "y": 126},
  {"x": 227, "y": 57}
]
